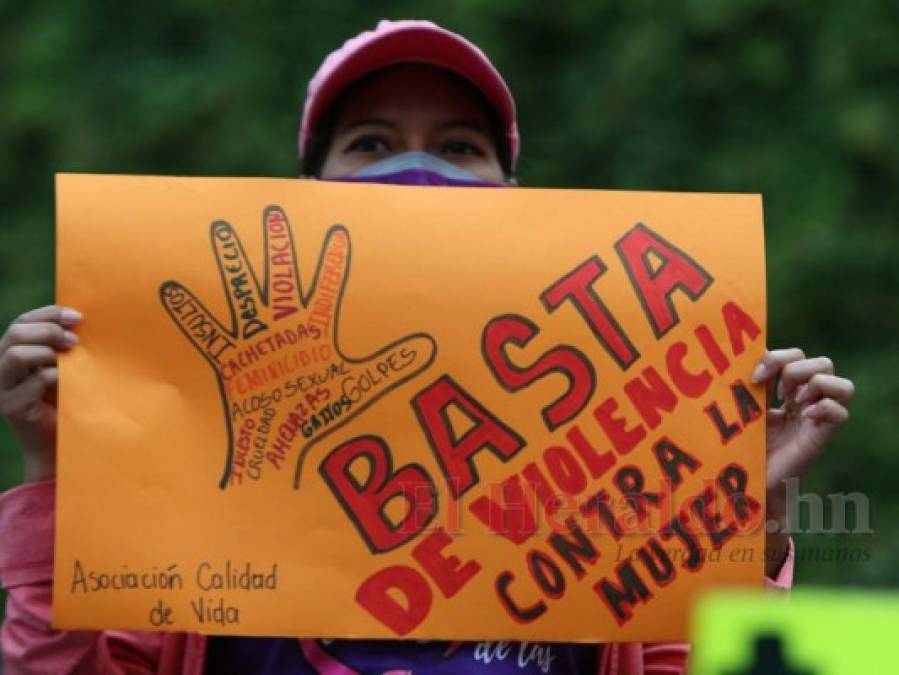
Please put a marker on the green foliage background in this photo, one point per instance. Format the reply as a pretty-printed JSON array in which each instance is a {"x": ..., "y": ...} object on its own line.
[{"x": 797, "y": 100}]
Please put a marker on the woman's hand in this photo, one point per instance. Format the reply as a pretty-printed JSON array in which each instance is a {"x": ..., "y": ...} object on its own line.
[
  {"x": 813, "y": 406},
  {"x": 28, "y": 376}
]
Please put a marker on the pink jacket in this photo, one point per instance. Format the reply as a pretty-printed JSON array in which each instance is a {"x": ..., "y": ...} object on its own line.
[{"x": 30, "y": 646}]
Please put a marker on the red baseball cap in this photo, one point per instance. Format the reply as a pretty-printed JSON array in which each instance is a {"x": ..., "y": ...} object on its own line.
[{"x": 407, "y": 41}]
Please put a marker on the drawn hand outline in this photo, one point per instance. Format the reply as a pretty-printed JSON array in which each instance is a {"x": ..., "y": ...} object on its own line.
[{"x": 257, "y": 311}]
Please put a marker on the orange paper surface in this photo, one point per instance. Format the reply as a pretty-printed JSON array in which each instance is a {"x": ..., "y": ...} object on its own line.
[{"x": 313, "y": 409}]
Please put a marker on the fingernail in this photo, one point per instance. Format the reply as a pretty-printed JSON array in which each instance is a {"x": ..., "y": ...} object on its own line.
[
  {"x": 810, "y": 411},
  {"x": 70, "y": 316},
  {"x": 70, "y": 338},
  {"x": 759, "y": 373},
  {"x": 802, "y": 393}
]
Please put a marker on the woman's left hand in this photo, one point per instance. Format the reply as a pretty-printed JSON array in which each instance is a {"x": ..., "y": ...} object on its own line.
[{"x": 813, "y": 406}]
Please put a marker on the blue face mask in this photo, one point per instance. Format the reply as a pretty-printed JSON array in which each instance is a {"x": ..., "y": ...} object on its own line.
[{"x": 417, "y": 168}]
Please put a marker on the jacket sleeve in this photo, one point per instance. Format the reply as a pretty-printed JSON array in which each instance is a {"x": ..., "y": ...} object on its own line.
[{"x": 29, "y": 645}]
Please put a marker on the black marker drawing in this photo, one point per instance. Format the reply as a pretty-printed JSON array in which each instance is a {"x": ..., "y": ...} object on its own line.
[{"x": 283, "y": 380}]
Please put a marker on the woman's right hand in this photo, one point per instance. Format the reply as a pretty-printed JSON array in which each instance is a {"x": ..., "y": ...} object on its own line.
[{"x": 28, "y": 376}]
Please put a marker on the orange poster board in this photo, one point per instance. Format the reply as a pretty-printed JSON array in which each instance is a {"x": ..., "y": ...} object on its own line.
[{"x": 305, "y": 408}]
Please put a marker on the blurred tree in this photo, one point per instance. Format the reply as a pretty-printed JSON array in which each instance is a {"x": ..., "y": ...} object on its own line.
[{"x": 796, "y": 100}]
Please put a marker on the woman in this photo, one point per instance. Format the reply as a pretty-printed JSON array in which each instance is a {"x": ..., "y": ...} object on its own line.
[{"x": 406, "y": 103}]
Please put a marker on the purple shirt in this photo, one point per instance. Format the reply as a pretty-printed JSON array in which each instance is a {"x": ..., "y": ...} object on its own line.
[{"x": 288, "y": 656}]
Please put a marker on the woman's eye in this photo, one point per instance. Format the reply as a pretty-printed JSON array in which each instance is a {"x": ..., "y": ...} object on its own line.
[
  {"x": 369, "y": 144},
  {"x": 461, "y": 148}
]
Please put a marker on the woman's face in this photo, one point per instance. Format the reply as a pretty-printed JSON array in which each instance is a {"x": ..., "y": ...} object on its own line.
[{"x": 413, "y": 107}]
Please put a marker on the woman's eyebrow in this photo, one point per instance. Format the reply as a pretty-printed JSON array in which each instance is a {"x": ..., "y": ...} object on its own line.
[
  {"x": 462, "y": 124},
  {"x": 368, "y": 121}
]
